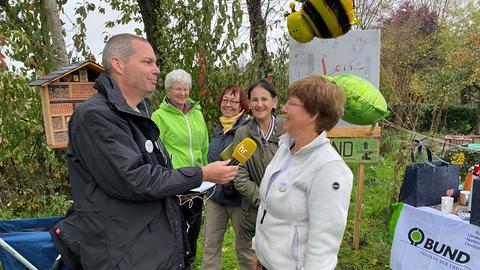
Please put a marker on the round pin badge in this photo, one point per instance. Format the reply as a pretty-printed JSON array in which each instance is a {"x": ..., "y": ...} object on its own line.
[
  {"x": 283, "y": 186},
  {"x": 335, "y": 185},
  {"x": 149, "y": 146}
]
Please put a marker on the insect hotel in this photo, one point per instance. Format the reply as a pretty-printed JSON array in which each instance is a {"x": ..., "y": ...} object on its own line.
[{"x": 61, "y": 93}]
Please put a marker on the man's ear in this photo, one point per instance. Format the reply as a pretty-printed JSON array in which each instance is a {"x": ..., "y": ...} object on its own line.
[{"x": 117, "y": 65}]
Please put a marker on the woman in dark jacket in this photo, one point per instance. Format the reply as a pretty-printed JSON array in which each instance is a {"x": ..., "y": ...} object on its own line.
[
  {"x": 224, "y": 203},
  {"x": 265, "y": 129}
]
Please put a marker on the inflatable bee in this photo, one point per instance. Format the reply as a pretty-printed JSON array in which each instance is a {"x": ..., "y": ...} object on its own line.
[{"x": 320, "y": 18}]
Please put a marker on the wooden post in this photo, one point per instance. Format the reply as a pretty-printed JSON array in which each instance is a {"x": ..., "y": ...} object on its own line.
[
  {"x": 364, "y": 143},
  {"x": 358, "y": 207}
]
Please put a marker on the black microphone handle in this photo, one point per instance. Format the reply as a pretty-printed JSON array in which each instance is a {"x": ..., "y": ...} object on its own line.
[{"x": 233, "y": 162}]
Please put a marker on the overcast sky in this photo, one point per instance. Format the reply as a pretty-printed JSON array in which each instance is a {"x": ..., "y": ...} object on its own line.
[
  {"x": 95, "y": 24},
  {"x": 96, "y": 27},
  {"x": 96, "y": 30}
]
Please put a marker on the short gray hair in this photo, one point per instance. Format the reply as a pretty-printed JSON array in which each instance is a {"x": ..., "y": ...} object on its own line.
[
  {"x": 119, "y": 46},
  {"x": 178, "y": 75}
]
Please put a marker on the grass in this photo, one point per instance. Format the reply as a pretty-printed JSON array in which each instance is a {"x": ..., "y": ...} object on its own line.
[{"x": 229, "y": 257}]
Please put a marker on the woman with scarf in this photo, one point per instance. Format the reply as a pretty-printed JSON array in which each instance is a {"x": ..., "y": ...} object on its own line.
[{"x": 224, "y": 202}]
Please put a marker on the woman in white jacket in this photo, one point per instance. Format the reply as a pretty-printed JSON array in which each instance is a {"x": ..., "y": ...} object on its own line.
[{"x": 305, "y": 191}]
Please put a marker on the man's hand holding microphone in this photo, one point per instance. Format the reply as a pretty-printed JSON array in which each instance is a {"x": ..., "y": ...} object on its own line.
[{"x": 222, "y": 172}]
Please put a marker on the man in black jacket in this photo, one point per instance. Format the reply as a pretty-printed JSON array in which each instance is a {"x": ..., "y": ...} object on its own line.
[{"x": 126, "y": 213}]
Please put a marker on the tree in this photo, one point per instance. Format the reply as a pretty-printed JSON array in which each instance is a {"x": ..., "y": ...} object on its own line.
[
  {"x": 54, "y": 25},
  {"x": 31, "y": 174},
  {"x": 464, "y": 60},
  {"x": 258, "y": 37},
  {"x": 369, "y": 12},
  {"x": 443, "y": 8},
  {"x": 31, "y": 31},
  {"x": 407, "y": 42},
  {"x": 150, "y": 10}
]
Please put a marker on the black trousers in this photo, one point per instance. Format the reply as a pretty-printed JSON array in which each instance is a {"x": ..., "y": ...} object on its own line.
[{"x": 193, "y": 218}]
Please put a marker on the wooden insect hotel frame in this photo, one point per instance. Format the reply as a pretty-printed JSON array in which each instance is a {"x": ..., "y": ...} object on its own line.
[{"x": 61, "y": 92}]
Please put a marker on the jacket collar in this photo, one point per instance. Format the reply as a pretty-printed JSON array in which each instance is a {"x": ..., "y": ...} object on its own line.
[
  {"x": 107, "y": 87},
  {"x": 169, "y": 107},
  {"x": 253, "y": 131},
  {"x": 320, "y": 140}
]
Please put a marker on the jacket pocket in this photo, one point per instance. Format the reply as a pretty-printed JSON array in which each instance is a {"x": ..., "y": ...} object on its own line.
[{"x": 296, "y": 248}]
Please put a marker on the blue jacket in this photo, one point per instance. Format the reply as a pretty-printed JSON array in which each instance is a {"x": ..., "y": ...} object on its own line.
[{"x": 220, "y": 142}]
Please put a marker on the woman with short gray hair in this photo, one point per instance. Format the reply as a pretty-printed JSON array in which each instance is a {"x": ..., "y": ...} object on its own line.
[
  {"x": 177, "y": 76},
  {"x": 184, "y": 133}
]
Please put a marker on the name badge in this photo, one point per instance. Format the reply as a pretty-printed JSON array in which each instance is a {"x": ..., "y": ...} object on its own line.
[{"x": 149, "y": 146}]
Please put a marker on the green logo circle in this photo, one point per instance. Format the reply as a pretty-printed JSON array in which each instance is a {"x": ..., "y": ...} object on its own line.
[{"x": 416, "y": 236}]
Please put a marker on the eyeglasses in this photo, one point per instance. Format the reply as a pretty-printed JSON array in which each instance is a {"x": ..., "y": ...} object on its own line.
[
  {"x": 290, "y": 103},
  {"x": 231, "y": 101},
  {"x": 179, "y": 90}
]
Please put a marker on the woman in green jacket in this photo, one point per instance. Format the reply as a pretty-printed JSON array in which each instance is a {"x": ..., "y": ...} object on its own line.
[
  {"x": 184, "y": 133},
  {"x": 265, "y": 130}
]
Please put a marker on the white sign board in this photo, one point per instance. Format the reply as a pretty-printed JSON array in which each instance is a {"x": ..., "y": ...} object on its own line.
[
  {"x": 357, "y": 53},
  {"x": 428, "y": 239}
]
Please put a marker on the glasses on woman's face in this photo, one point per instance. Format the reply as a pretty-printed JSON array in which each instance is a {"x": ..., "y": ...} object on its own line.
[
  {"x": 290, "y": 103},
  {"x": 232, "y": 102},
  {"x": 180, "y": 90}
]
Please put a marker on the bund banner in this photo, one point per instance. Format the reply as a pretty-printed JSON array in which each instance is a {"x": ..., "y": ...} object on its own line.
[{"x": 428, "y": 239}]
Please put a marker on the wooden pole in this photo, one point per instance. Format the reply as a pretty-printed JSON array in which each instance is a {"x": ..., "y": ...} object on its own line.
[{"x": 358, "y": 207}]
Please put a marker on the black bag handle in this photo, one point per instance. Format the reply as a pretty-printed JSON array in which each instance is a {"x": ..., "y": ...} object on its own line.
[
  {"x": 420, "y": 147},
  {"x": 430, "y": 154}
]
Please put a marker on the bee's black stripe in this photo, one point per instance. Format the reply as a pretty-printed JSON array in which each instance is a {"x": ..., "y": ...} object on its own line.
[
  {"x": 340, "y": 13},
  {"x": 317, "y": 20}
]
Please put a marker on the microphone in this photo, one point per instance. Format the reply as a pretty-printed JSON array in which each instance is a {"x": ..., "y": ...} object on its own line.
[{"x": 243, "y": 152}]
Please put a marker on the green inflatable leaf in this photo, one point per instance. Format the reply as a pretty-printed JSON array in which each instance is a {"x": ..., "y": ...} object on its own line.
[{"x": 365, "y": 105}]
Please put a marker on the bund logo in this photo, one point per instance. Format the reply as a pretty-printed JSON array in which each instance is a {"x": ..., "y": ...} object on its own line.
[{"x": 416, "y": 236}]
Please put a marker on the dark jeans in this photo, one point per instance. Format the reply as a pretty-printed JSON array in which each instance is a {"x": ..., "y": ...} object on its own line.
[{"x": 193, "y": 217}]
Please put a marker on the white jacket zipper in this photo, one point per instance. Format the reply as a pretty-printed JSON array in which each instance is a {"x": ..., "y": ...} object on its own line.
[{"x": 295, "y": 244}]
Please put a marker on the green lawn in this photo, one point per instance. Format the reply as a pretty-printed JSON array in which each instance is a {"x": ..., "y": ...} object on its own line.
[{"x": 229, "y": 258}]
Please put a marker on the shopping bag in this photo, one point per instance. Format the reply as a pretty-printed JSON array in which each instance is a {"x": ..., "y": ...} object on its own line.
[{"x": 426, "y": 182}]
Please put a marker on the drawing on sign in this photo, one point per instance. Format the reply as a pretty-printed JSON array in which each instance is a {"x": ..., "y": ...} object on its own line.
[
  {"x": 304, "y": 63},
  {"x": 357, "y": 52}
]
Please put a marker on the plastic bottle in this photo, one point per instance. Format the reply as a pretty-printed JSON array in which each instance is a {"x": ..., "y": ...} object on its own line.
[{"x": 468, "y": 181}]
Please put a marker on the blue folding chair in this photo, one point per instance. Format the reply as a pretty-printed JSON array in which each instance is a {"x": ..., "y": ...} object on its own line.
[{"x": 26, "y": 244}]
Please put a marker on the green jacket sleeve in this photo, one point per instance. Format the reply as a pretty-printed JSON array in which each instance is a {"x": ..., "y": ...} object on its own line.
[
  {"x": 243, "y": 183},
  {"x": 205, "y": 145}
]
